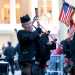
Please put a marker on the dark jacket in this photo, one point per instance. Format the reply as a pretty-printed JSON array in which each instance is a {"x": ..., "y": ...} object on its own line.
[
  {"x": 66, "y": 47},
  {"x": 27, "y": 42},
  {"x": 73, "y": 49},
  {"x": 69, "y": 48},
  {"x": 9, "y": 52}
]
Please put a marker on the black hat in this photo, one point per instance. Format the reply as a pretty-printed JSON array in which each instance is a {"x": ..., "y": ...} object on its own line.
[
  {"x": 25, "y": 18},
  {"x": 9, "y": 43}
]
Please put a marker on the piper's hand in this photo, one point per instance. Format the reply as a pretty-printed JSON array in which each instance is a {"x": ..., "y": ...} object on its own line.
[
  {"x": 39, "y": 30},
  {"x": 38, "y": 23},
  {"x": 35, "y": 18}
]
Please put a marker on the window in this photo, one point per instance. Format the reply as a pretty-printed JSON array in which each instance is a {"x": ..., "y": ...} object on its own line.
[
  {"x": 45, "y": 13},
  {"x": 5, "y": 11},
  {"x": 22, "y": 7},
  {"x": 45, "y": 9},
  {"x": 25, "y": 7}
]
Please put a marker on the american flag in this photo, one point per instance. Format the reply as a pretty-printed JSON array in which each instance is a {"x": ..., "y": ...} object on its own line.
[{"x": 66, "y": 13}]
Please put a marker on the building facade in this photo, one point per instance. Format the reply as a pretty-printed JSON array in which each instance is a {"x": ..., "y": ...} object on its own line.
[{"x": 11, "y": 10}]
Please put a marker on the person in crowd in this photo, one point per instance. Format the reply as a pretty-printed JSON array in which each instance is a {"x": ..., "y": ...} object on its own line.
[
  {"x": 32, "y": 46},
  {"x": 69, "y": 48},
  {"x": 9, "y": 52},
  {"x": 66, "y": 44},
  {"x": 72, "y": 46},
  {"x": 27, "y": 43}
]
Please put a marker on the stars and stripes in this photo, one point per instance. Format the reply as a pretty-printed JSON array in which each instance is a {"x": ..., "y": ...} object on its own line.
[{"x": 66, "y": 13}]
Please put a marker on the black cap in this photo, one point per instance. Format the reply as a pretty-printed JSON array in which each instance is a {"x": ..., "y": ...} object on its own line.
[
  {"x": 25, "y": 18},
  {"x": 9, "y": 43}
]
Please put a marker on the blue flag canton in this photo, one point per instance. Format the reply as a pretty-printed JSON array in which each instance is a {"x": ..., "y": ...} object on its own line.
[{"x": 66, "y": 7}]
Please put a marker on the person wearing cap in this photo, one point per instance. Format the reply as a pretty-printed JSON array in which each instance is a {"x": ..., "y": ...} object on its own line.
[{"x": 27, "y": 42}]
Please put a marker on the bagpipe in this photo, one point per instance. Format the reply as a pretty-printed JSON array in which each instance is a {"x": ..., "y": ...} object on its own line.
[
  {"x": 45, "y": 34},
  {"x": 44, "y": 43}
]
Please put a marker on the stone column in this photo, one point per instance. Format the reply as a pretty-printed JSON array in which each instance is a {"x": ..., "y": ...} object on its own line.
[{"x": 13, "y": 12}]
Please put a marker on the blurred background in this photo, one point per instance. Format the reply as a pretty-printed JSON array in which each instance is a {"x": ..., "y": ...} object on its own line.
[{"x": 11, "y": 10}]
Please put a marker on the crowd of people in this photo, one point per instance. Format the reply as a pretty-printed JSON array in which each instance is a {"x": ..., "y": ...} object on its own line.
[{"x": 34, "y": 49}]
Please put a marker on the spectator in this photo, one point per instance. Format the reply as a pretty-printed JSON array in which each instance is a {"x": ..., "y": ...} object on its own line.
[{"x": 10, "y": 52}]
